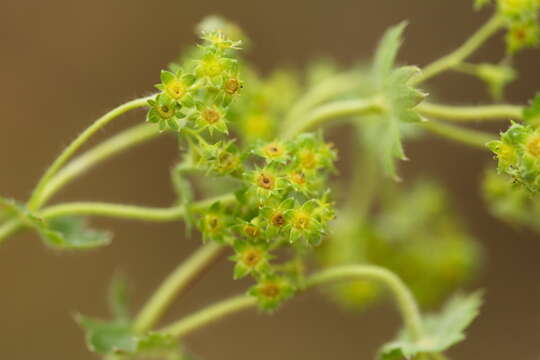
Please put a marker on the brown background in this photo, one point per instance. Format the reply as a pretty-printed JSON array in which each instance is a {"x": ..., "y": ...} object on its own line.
[{"x": 62, "y": 63}]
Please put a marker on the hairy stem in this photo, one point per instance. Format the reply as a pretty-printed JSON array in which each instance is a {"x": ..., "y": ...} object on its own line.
[
  {"x": 129, "y": 211},
  {"x": 114, "y": 211},
  {"x": 116, "y": 144},
  {"x": 210, "y": 314},
  {"x": 174, "y": 284},
  {"x": 475, "y": 138},
  {"x": 35, "y": 199},
  {"x": 332, "y": 110},
  {"x": 323, "y": 91},
  {"x": 462, "y": 52},
  {"x": 404, "y": 299},
  {"x": 467, "y": 113}
]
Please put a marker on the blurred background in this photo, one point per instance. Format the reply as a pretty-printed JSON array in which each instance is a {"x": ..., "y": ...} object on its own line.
[{"x": 63, "y": 63}]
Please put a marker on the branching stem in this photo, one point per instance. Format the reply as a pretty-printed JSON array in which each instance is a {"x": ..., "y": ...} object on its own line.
[
  {"x": 462, "y": 52},
  {"x": 36, "y": 198},
  {"x": 404, "y": 299},
  {"x": 172, "y": 286}
]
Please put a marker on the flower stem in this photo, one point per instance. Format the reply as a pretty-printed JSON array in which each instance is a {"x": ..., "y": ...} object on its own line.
[
  {"x": 210, "y": 314},
  {"x": 467, "y": 113},
  {"x": 462, "y": 52},
  {"x": 35, "y": 200},
  {"x": 114, "y": 211},
  {"x": 116, "y": 144},
  {"x": 332, "y": 110},
  {"x": 129, "y": 211},
  {"x": 404, "y": 299},
  {"x": 172, "y": 286},
  {"x": 475, "y": 138}
]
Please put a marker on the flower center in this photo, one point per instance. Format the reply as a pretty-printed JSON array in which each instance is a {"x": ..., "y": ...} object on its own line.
[
  {"x": 211, "y": 116},
  {"x": 176, "y": 89},
  {"x": 266, "y": 181},
  {"x": 273, "y": 150},
  {"x": 232, "y": 86},
  {"x": 278, "y": 220},
  {"x": 308, "y": 160},
  {"x": 252, "y": 257},
  {"x": 301, "y": 221},
  {"x": 165, "y": 111},
  {"x": 270, "y": 290},
  {"x": 251, "y": 230},
  {"x": 298, "y": 178}
]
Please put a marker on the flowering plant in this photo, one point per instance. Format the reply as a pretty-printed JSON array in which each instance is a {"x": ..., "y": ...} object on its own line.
[{"x": 285, "y": 218}]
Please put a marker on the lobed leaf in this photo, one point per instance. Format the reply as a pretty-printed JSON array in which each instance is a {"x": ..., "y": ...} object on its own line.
[{"x": 441, "y": 331}]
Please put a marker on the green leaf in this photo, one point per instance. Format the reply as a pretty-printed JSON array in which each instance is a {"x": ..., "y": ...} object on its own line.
[
  {"x": 441, "y": 331},
  {"x": 118, "y": 299},
  {"x": 107, "y": 338},
  {"x": 385, "y": 55},
  {"x": 398, "y": 98},
  {"x": 70, "y": 232}
]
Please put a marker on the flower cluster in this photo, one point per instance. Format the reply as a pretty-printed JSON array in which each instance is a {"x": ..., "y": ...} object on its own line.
[
  {"x": 518, "y": 154},
  {"x": 283, "y": 202},
  {"x": 521, "y": 20},
  {"x": 198, "y": 94}
]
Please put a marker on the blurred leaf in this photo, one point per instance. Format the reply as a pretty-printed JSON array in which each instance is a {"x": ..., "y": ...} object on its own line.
[
  {"x": 108, "y": 338},
  {"x": 385, "y": 55},
  {"x": 398, "y": 100},
  {"x": 118, "y": 298},
  {"x": 441, "y": 331},
  {"x": 70, "y": 232}
]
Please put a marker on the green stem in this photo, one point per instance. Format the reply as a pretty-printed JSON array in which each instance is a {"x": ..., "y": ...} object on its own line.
[
  {"x": 469, "y": 137},
  {"x": 33, "y": 203},
  {"x": 210, "y": 314},
  {"x": 174, "y": 284},
  {"x": 9, "y": 228},
  {"x": 129, "y": 211},
  {"x": 332, "y": 110},
  {"x": 114, "y": 211},
  {"x": 323, "y": 91},
  {"x": 116, "y": 144},
  {"x": 404, "y": 299},
  {"x": 462, "y": 52},
  {"x": 466, "y": 113}
]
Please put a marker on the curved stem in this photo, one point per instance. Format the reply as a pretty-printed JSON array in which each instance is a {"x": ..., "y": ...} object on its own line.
[
  {"x": 475, "y": 138},
  {"x": 116, "y": 144},
  {"x": 466, "y": 113},
  {"x": 404, "y": 299},
  {"x": 174, "y": 284},
  {"x": 35, "y": 199},
  {"x": 323, "y": 91},
  {"x": 462, "y": 52},
  {"x": 332, "y": 110}
]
